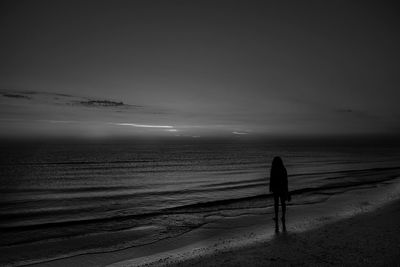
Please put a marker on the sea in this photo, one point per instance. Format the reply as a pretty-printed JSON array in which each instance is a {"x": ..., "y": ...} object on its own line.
[{"x": 52, "y": 191}]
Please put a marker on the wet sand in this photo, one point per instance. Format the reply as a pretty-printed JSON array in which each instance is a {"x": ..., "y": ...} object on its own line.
[
  {"x": 338, "y": 232},
  {"x": 362, "y": 224}
]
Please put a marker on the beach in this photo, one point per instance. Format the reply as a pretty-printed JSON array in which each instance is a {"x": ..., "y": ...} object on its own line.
[
  {"x": 164, "y": 133},
  {"x": 358, "y": 227},
  {"x": 370, "y": 239},
  {"x": 133, "y": 204}
]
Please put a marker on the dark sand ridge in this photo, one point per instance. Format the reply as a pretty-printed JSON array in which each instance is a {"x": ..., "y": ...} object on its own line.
[{"x": 234, "y": 231}]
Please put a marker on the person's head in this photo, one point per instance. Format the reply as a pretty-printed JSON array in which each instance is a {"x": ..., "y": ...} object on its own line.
[{"x": 277, "y": 162}]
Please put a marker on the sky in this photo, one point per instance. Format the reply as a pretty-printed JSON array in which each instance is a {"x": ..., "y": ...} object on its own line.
[{"x": 199, "y": 68}]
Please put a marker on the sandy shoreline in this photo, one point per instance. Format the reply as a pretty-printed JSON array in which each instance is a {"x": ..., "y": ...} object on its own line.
[
  {"x": 369, "y": 239},
  {"x": 250, "y": 233},
  {"x": 366, "y": 235}
]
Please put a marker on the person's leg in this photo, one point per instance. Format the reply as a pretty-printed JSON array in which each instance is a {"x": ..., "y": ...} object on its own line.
[
  {"x": 276, "y": 207},
  {"x": 283, "y": 204}
]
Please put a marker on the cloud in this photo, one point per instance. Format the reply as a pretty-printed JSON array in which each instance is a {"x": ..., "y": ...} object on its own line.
[
  {"x": 142, "y": 125},
  {"x": 99, "y": 103},
  {"x": 102, "y": 103},
  {"x": 60, "y": 121},
  {"x": 16, "y": 96},
  {"x": 240, "y": 133},
  {"x": 168, "y": 127},
  {"x": 60, "y": 99}
]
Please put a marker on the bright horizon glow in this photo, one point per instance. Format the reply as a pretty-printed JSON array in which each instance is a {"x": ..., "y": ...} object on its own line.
[{"x": 143, "y": 125}]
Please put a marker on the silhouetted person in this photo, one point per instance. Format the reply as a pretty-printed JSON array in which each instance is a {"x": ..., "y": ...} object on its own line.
[{"x": 278, "y": 185}]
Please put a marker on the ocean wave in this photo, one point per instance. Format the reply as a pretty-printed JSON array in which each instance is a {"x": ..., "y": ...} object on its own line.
[{"x": 201, "y": 206}]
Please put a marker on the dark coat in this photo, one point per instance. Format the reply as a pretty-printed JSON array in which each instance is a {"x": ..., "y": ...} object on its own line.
[{"x": 278, "y": 183}]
